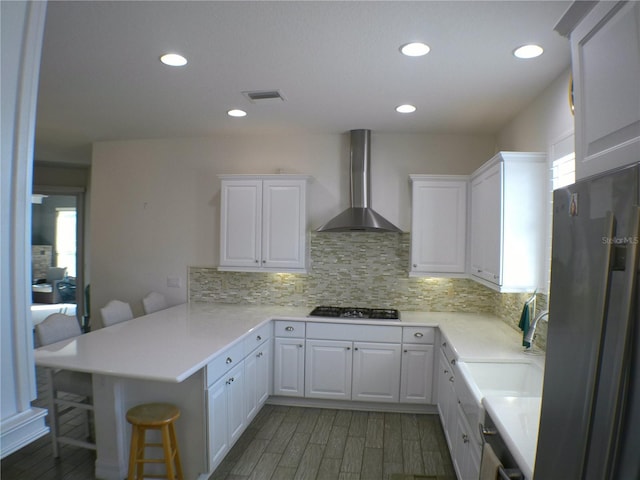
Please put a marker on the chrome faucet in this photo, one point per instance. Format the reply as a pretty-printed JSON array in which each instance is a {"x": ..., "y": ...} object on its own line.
[{"x": 532, "y": 328}]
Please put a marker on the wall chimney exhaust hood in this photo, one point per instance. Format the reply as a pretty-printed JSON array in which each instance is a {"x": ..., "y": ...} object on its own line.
[{"x": 359, "y": 217}]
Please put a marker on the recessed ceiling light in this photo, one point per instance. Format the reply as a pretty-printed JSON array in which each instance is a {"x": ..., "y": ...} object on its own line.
[
  {"x": 405, "y": 108},
  {"x": 415, "y": 49},
  {"x": 237, "y": 113},
  {"x": 528, "y": 51},
  {"x": 173, "y": 60}
]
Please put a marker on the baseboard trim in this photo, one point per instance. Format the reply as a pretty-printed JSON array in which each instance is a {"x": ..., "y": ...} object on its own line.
[
  {"x": 353, "y": 405},
  {"x": 20, "y": 430}
]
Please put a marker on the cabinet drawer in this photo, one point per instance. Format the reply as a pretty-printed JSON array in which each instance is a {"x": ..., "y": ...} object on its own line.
[
  {"x": 354, "y": 333},
  {"x": 257, "y": 337},
  {"x": 418, "y": 335},
  {"x": 226, "y": 360},
  {"x": 290, "y": 329}
]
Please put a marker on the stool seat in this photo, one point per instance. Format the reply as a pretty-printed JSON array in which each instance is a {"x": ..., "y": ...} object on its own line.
[{"x": 154, "y": 416}]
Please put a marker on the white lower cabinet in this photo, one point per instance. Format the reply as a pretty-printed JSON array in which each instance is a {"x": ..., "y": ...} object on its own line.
[
  {"x": 257, "y": 379},
  {"x": 416, "y": 377},
  {"x": 329, "y": 366},
  {"x": 288, "y": 367},
  {"x": 463, "y": 445},
  {"x": 226, "y": 413},
  {"x": 375, "y": 372},
  {"x": 343, "y": 370}
]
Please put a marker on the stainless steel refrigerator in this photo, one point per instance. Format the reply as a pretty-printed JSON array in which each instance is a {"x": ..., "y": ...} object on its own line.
[{"x": 590, "y": 416}]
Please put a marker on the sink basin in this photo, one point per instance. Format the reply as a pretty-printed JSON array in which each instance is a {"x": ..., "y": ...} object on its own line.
[{"x": 516, "y": 379}]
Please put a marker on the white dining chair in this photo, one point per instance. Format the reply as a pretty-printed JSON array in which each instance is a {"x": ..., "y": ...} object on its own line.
[
  {"x": 153, "y": 302},
  {"x": 115, "y": 312},
  {"x": 65, "y": 388}
]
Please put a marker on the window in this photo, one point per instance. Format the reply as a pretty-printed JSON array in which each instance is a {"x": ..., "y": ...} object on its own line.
[
  {"x": 66, "y": 239},
  {"x": 563, "y": 171}
]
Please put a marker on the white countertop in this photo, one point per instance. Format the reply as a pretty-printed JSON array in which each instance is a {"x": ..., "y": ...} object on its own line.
[
  {"x": 169, "y": 345},
  {"x": 172, "y": 344},
  {"x": 517, "y": 420}
]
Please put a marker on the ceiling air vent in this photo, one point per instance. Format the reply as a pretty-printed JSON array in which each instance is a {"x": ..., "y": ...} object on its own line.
[{"x": 262, "y": 95}]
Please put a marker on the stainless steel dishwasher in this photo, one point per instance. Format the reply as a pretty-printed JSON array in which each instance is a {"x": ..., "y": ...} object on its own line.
[{"x": 490, "y": 435}]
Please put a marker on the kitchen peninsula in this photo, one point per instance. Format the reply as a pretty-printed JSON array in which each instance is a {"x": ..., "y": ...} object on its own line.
[{"x": 178, "y": 355}]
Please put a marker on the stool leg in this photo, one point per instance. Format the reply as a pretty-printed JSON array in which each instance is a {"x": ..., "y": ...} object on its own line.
[
  {"x": 142, "y": 438},
  {"x": 133, "y": 453},
  {"x": 166, "y": 445},
  {"x": 174, "y": 442}
]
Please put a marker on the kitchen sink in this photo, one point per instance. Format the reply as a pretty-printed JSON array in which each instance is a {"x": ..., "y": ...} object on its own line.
[{"x": 504, "y": 378}]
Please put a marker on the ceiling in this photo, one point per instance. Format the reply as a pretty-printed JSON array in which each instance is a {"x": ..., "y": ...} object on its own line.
[{"x": 337, "y": 64}]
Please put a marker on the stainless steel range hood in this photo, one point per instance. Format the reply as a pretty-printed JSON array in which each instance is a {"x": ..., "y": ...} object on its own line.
[{"x": 360, "y": 217}]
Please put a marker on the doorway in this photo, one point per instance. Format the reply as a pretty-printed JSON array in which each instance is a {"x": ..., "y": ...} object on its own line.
[{"x": 57, "y": 253}]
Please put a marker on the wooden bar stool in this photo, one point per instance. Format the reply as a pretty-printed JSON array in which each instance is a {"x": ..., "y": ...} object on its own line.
[{"x": 154, "y": 416}]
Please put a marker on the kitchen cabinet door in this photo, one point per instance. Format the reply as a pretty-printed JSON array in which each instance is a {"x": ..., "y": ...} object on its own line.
[
  {"x": 235, "y": 406},
  {"x": 438, "y": 224},
  {"x": 241, "y": 223},
  {"x": 486, "y": 234},
  {"x": 328, "y": 369},
  {"x": 263, "y": 377},
  {"x": 288, "y": 367},
  {"x": 605, "y": 53},
  {"x": 446, "y": 396},
  {"x": 284, "y": 224},
  {"x": 416, "y": 383},
  {"x": 263, "y": 223},
  {"x": 251, "y": 385},
  {"x": 375, "y": 372},
  {"x": 508, "y": 231},
  {"x": 218, "y": 434}
]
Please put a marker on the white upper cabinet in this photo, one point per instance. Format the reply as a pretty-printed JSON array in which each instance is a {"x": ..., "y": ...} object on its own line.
[
  {"x": 508, "y": 221},
  {"x": 438, "y": 224},
  {"x": 605, "y": 52},
  {"x": 263, "y": 223}
]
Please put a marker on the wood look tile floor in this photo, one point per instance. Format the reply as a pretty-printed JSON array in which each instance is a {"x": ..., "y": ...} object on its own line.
[
  {"x": 284, "y": 443},
  {"x": 281, "y": 443}
]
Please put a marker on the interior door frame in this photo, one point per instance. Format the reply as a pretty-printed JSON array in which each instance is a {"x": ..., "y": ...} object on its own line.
[{"x": 79, "y": 193}]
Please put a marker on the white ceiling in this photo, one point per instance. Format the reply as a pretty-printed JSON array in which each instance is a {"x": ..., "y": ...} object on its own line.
[{"x": 337, "y": 63}]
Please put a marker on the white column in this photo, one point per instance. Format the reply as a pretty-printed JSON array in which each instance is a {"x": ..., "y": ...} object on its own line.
[{"x": 22, "y": 31}]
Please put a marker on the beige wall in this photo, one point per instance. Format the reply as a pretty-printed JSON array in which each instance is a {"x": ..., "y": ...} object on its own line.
[
  {"x": 155, "y": 203},
  {"x": 542, "y": 122}
]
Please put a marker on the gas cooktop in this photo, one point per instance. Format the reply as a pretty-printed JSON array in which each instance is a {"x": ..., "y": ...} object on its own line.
[{"x": 356, "y": 312}]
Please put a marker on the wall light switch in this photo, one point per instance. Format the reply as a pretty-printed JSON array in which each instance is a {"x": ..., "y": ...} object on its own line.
[{"x": 174, "y": 282}]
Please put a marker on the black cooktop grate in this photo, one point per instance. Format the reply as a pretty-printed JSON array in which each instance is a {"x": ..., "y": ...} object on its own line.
[{"x": 356, "y": 312}]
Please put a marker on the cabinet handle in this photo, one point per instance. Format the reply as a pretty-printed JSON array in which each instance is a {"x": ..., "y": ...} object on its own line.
[
  {"x": 257, "y": 261},
  {"x": 418, "y": 335},
  {"x": 259, "y": 355},
  {"x": 453, "y": 362},
  {"x": 348, "y": 348},
  {"x": 406, "y": 351},
  {"x": 230, "y": 380},
  {"x": 446, "y": 371},
  {"x": 444, "y": 344},
  {"x": 415, "y": 265},
  {"x": 356, "y": 348},
  {"x": 258, "y": 338},
  {"x": 228, "y": 360},
  {"x": 300, "y": 345},
  {"x": 289, "y": 329},
  {"x": 451, "y": 379},
  {"x": 264, "y": 261},
  {"x": 465, "y": 438}
]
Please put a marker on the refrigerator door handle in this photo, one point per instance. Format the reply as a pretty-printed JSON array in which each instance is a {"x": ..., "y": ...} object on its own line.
[{"x": 627, "y": 314}]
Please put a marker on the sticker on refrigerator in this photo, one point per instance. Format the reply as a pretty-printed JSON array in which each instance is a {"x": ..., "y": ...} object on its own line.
[{"x": 573, "y": 206}]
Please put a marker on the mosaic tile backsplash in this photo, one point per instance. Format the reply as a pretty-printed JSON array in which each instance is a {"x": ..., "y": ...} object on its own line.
[{"x": 357, "y": 269}]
